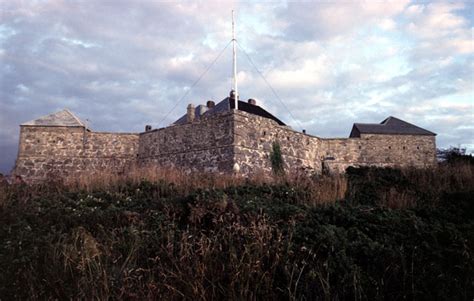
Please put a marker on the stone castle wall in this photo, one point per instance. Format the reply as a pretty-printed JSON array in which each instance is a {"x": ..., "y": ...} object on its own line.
[
  {"x": 254, "y": 137},
  {"x": 211, "y": 144},
  {"x": 55, "y": 152},
  {"x": 205, "y": 145},
  {"x": 379, "y": 150}
]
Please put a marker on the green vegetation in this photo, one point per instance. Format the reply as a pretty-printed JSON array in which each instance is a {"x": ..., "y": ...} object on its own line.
[
  {"x": 244, "y": 239},
  {"x": 277, "y": 159}
]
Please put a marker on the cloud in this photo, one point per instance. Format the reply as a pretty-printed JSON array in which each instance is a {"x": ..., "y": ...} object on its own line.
[
  {"x": 439, "y": 30},
  {"x": 125, "y": 64},
  {"x": 324, "y": 20}
]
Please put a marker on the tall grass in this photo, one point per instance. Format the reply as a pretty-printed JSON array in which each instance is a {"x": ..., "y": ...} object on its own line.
[
  {"x": 321, "y": 189},
  {"x": 162, "y": 234}
]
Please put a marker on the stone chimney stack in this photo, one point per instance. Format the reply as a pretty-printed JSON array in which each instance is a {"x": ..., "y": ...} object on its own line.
[
  {"x": 202, "y": 110},
  {"x": 191, "y": 114},
  {"x": 252, "y": 101},
  {"x": 210, "y": 104}
]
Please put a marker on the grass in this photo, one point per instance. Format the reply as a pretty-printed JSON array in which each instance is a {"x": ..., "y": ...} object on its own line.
[{"x": 160, "y": 234}]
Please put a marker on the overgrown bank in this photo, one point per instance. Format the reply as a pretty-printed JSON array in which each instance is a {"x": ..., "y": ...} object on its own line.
[{"x": 149, "y": 240}]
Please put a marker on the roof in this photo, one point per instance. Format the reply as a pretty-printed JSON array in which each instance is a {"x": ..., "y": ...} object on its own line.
[
  {"x": 228, "y": 104},
  {"x": 61, "y": 118},
  {"x": 390, "y": 126}
]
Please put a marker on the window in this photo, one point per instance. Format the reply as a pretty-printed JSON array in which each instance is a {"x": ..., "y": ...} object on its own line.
[{"x": 264, "y": 133}]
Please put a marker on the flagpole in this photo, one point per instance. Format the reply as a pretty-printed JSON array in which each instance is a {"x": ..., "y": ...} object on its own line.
[{"x": 234, "y": 63}]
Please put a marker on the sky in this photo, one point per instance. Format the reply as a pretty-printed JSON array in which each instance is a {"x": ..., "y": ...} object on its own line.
[{"x": 121, "y": 65}]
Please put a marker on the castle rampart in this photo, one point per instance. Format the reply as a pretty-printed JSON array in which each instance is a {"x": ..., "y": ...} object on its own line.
[
  {"x": 225, "y": 141},
  {"x": 199, "y": 145},
  {"x": 380, "y": 150},
  {"x": 57, "y": 151},
  {"x": 255, "y": 135}
]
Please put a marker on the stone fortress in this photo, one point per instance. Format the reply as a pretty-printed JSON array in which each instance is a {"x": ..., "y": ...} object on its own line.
[{"x": 218, "y": 138}]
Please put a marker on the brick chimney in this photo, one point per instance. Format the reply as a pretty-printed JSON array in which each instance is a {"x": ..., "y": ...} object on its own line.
[
  {"x": 190, "y": 114},
  {"x": 252, "y": 101},
  {"x": 210, "y": 104}
]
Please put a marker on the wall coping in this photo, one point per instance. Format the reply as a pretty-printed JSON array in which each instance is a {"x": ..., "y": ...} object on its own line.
[{"x": 198, "y": 121}]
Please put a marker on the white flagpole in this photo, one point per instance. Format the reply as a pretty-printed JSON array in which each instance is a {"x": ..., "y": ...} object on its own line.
[{"x": 234, "y": 63}]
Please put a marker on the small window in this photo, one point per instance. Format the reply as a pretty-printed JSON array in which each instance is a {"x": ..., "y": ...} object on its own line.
[
  {"x": 390, "y": 147},
  {"x": 288, "y": 138},
  {"x": 404, "y": 147},
  {"x": 417, "y": 147},
  {"x": 264, "y": 133},
  {"x": 360, "y": 147}
]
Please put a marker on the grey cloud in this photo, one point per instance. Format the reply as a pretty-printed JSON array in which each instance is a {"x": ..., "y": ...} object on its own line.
[
  {"x": 122, "y": 65},
  {"x": 321, "y": 20}
]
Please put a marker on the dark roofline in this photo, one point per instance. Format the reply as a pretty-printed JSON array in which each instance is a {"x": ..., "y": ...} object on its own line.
[
  {"x": 228, "y": 104},
  {"x": 255, "y": 110},
  {"x": 389, "y": 126}
]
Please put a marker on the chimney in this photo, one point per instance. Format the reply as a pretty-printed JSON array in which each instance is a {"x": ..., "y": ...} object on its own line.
[
  {"x": 232, "y": 94},
  {"x": 202, "y": 110},
  {"x": 147, "y": 128},
  {"x": 210, "y": 104},
  {"x": 191, "y": 114},
  {"x": 252, "y": 101}
]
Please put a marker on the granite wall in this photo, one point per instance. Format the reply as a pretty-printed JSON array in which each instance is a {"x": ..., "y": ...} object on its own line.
[
  {"x": 254, "y": 136},
  {"x": 56, "y": 152},
  {"x": 379, "y": 150},
  {"x": 210, "y": 144},
  {"x": 253, "y": 139},
  {"x": 204, "y": 145}
]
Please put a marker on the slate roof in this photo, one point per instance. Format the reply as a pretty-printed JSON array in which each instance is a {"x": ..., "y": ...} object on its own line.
[
  {"x": 390, "y": 126},
  {"x": 228, "y": 104},
  {"x": 61, "y": 118}
]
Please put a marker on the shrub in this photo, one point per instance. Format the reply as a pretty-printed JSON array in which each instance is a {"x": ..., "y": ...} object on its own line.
[
  {"x": 277, "y": 159},
  {"x": 161, "y": 240}
]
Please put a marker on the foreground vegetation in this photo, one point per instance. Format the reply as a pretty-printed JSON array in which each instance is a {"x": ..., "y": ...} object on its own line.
[{"x": 372, "y": 234}]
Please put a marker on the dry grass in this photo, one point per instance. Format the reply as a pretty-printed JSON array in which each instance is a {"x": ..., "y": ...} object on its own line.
[
  {"x": 320, "y": 190},
  {"x": 455, "y": 177},
  {"x": 185, "y": 181},
  {"x": 211, "y": 247},
  {"x": 430, "y": 184}
]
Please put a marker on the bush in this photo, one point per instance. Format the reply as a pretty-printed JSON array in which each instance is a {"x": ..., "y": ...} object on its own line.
[
  {"x": 157, "y": 240},
  {"x": 277, "y": 159}
]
